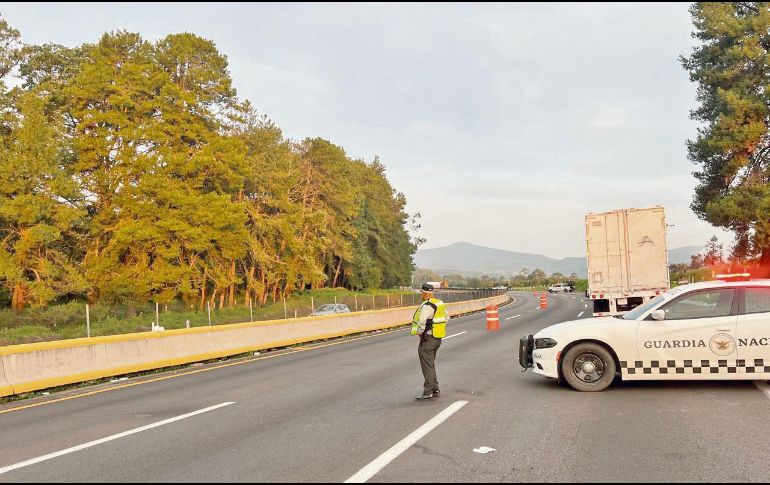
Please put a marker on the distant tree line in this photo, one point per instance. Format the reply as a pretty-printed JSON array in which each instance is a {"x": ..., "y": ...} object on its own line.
[
  {"x": 131, "y": 171},
  {"x": 524, "y": 279},
  {"x": 712, "y": 261}
]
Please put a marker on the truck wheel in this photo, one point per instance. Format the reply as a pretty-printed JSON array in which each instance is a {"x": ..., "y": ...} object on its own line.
[{"x": 588, "y": 368}]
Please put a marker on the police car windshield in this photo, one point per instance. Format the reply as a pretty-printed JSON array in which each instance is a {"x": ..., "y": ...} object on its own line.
[{"x": 642, "y": 309}]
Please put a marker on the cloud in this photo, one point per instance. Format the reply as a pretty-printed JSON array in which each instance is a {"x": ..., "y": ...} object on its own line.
[{"x": 502, "y": 123}]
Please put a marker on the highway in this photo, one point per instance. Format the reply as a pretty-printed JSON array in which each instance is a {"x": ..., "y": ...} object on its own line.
[{"x": 345, "y": 410}]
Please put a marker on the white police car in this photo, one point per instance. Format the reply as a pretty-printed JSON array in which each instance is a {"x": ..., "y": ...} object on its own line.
[{"x": 719, "y": 330}]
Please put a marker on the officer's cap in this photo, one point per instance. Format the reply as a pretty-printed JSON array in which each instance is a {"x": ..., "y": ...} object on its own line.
[{"x": 427, "y": 287}]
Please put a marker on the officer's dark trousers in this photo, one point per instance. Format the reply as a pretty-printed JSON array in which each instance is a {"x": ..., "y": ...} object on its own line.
[{"x": 427, "y": 351}]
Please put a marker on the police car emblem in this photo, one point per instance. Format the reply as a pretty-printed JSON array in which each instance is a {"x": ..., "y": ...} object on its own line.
[{"x": 722, "y": 344}]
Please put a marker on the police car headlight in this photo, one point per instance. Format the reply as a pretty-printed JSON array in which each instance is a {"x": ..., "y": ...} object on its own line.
[{"x": 544, "y": 343}]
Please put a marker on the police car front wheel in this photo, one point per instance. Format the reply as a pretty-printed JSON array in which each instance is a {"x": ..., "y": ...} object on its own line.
[{"x": 588, "y": 367}]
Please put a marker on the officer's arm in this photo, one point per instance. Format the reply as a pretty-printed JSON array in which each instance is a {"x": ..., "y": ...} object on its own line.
[{"x": 426, "y": 313}]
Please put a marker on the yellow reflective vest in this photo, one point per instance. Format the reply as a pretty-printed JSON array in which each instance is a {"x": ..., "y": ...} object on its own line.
[{"x": 437, "y": 324}]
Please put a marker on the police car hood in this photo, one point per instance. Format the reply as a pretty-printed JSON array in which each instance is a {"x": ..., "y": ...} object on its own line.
[{"x": 584, "y": 325}]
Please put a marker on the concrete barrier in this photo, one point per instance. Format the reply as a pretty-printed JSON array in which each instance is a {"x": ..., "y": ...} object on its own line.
[
  {"x": 30, "y": 367},
  {"x": 5, "y": 387}
]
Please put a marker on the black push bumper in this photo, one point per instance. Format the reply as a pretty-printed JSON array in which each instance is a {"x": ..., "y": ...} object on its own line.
[{"x": 526, "y": 347}]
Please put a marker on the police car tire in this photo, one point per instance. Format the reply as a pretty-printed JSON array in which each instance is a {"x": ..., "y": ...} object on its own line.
[{"x": 574, "y": 381}]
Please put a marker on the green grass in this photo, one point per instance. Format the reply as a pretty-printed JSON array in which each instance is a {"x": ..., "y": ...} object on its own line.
[{"x": 67, "y": 321}]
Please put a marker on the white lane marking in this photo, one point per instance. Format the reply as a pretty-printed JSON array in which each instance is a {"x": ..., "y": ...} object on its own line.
[
  {"x": 537, "y": 308},
  {"x": 585, "y": 306},
  {"x": 580, "y": 314},
  {"x": 511, "y": 318},
  {"x": 455, "y": 335},
  {"x": 764, "y": 387},
  {"x": 74, "y": 449},
  {"x": 383, "y": 460}
]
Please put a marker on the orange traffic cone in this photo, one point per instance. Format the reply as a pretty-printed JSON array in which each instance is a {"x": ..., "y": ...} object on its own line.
[
  {"x": 543, "y": 302},
  {"x": 493, "y": 318}
]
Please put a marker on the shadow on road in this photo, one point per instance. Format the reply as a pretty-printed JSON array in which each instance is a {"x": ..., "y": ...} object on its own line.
[{"x": 538, "y": 384}]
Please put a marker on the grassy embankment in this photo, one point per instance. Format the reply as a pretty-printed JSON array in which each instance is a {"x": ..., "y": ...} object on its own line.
[{"x": 67, "y": 321}]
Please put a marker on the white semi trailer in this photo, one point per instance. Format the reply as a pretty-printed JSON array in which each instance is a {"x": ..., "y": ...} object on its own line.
[{"x": 627, "y": 259}]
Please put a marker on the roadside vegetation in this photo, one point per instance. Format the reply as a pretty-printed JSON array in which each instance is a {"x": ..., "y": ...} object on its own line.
[
  {"x": 732, "y": 148},
  {"x": 131, "y": 173},
  {"x": 66, "y": 321}
]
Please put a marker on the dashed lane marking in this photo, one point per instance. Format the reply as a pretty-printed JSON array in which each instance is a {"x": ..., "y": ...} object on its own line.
[
  {"x": 455, "y": 335},
  {"x": 511, "y": 318},
  {"x": 114, "y": 437},
  {"x": 383, "y": 460}
]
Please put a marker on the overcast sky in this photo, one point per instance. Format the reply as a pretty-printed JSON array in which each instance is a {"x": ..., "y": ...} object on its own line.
[{"x": 503, "y": 124}]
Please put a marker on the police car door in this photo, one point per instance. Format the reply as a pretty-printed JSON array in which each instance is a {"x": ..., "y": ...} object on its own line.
[
  {"x": 754, "y": 332},
  {"x": 696, "y": 338}
]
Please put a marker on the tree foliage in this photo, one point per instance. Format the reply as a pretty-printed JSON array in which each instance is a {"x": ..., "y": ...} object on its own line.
[
  {"x": 131, "y": 171},
  {"x": 523, "y": 279},
  {"x": 732, "y": 66}
]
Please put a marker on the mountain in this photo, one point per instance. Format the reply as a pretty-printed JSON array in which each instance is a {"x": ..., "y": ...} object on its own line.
[
  {"x": 683, "y": 255},
  {"x": 471, "y": 260}
]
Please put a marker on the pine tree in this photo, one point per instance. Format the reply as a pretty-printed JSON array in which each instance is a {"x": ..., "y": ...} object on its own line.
[
  {"x": 732, "y": 149},
  {"x": 38, "y": 211},
  {"x": 130, "y": 171}
]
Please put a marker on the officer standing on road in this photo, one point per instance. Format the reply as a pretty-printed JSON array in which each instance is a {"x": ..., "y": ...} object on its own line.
[{"x": 429, "y": 323}]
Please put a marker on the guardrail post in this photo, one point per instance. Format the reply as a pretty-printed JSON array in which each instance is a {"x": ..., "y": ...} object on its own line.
[
  {"x": 355, "y": 298},
  {"x": 157, "y": 317},
  {"x": 88, "y": 322},
  {"x": 374, "y": 305},
  {"x": 402, "y": 299},
  {"x": 251, "y": 311},
  {"x": 312, "y": 306},
  {"x": 208, "y": 309},
  {"x": 285, "y": 311}
]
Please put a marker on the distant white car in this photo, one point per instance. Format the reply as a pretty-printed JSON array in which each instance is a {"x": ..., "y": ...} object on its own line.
[
  {"x": 715, "y": 330},
  {"x": 561, "y": 288},
  {"x": 330, "y": 309}
]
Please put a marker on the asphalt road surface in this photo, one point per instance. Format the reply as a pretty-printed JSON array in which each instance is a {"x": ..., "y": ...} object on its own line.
[{"x": 345, "y": 410}]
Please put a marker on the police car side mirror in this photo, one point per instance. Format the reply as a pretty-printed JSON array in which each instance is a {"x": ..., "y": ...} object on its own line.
[{"x": 658, "y": 315}]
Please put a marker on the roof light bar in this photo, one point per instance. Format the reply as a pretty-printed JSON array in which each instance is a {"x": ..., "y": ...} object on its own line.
[{"x": 733, "y": 276}]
